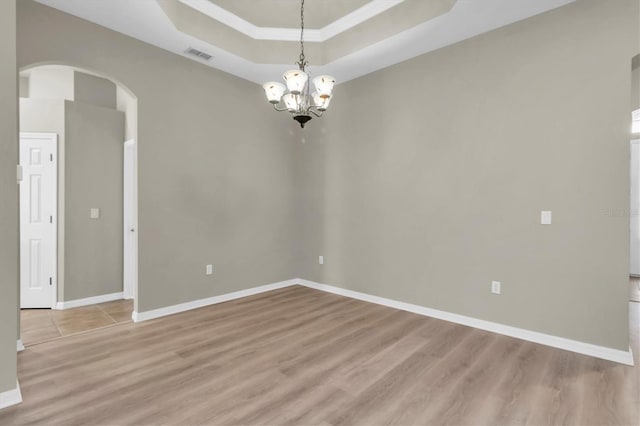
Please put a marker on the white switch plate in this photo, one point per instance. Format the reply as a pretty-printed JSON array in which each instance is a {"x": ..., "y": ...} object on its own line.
[
  {"x": 321, "y": 260},
  {"x": 95, "y": 213},
  {"x": 545, "y": 217},
  {"x": 209, "y": 270},
  {"x": 495, "y": 287}
]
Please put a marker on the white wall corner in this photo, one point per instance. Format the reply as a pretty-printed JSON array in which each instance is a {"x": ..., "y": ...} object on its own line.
[
  {"x": 596, "y": 351},
  {"x": 20, "y": 345},
  {"x": 11, "y": 397},
  {"x": 195, "y": 304},
  {"x": 89, "y": 301}
]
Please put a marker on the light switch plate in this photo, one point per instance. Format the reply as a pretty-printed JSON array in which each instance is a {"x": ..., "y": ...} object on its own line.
[
  {"x": 495, "y": 287},
  {"x": 95, "y": 213},
  {"x": 545, "y": 217},
  {"x": 321, "y": 260},
  {"x": 209, "y": 270}
]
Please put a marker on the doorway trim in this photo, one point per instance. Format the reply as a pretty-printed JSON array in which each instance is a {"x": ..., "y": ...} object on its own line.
[
  {"x": 52, "y": 138},
  {"x": 130, "y": 220},
  {"x": 634, "y": 209}
]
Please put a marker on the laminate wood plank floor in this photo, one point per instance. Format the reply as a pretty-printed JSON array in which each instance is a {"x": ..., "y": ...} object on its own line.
[
  {"x": 41, "y": 325},
  {"x": 298, "y": 356}
]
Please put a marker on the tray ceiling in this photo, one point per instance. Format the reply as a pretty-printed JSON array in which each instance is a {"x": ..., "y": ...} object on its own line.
[
  {"x": 286, "y": 13},
  {"x": 259, "y": 39}
]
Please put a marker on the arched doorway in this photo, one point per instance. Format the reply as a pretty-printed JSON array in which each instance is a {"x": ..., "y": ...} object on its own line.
[{"x": 94, "y": 118}]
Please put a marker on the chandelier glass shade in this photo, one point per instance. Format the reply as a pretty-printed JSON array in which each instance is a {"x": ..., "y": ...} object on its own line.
[{"x": 295, "y": 95}]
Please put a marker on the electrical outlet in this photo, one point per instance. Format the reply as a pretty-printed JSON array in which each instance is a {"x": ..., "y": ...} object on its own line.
[
  {"x": 495, "y": 287},
  {"x": 209, "y": 270},
  {"x": 321, "y": 260}
]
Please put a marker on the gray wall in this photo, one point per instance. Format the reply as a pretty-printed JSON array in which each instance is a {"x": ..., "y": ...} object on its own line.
[
  {"x": 93, "y": 155},
  {"x": 94, "y": 90},
  {"x": 425, "y": 181},
  {"x": 635, "y": 89},
  {"x": 23, "y": 88},
  {"x": 8, "y": 196},
  {"x": 215, "y": 185}
]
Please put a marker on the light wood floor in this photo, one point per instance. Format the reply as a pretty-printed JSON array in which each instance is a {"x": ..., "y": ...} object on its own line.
[
  {"x": 303, "y": 357},
  {"x": 40, "y": 325}
]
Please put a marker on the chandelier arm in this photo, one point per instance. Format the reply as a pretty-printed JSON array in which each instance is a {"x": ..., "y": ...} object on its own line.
[
  {"x": 275, "y": 106},
  {"x": 316, "y": 113}
]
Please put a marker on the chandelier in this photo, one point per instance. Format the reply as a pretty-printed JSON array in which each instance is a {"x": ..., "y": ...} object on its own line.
[{"x": 295, "y": 97}]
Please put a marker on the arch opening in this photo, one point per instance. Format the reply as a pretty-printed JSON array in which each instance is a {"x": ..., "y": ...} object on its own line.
[{"x": 89, "y": 111}]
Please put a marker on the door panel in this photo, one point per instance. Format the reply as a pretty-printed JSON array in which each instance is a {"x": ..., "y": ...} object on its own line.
[{"x": 38, "y": 201}]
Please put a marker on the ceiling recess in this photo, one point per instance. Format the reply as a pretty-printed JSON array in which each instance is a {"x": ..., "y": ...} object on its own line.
[{"x": 368, "y": 35}]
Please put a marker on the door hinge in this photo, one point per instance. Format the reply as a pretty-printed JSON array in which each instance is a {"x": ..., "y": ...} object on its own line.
[
  {"x": 50, "y": 219},
  {"x": 50, "y": 280},
  {"x": 51, "y": 157}
]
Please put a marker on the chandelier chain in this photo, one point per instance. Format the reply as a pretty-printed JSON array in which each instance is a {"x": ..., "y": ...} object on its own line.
[{"x": 303, "y": 61}]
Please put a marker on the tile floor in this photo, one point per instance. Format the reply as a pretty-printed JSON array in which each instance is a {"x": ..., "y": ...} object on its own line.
[{"x": 40, "y": 325}]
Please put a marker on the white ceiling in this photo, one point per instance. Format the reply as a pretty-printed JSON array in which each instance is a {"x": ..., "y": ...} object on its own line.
[{"x": 386, "y": 29}]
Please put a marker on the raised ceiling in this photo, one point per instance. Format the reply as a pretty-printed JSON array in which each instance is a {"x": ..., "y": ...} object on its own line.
[
  {"x": 286, "y": 13},
  {"x": 359, "y": 29},
  {"x": 259, "y": 39}
]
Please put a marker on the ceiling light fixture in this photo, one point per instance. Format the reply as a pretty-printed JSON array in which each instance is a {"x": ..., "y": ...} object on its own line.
[{"x": 295, "y": 97}]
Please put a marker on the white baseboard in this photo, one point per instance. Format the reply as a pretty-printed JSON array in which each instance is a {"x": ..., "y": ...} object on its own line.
[
  {"x": 615, "y": 355},
  {"x": 182, "y": 307},
  {"x": 10, "y": 397},
  {"x": 20, "y": 345},
  {"x": 596, "y": 351},
  {"x": 89, "y": 301}
]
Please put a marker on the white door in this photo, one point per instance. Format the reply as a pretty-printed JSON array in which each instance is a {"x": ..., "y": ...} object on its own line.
[
  {"x": 634, "y": 210},
  {"x": 38, "y": 236},
  {"x": 130, "y": 261}
]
